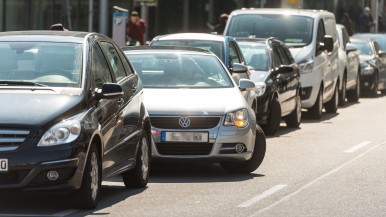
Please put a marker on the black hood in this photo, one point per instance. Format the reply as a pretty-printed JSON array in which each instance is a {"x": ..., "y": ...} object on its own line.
[{"x": 36, "y": 109}]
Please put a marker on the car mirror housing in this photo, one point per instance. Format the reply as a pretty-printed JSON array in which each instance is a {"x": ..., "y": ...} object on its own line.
[
  {"x": 350, "y": 47},
  {"x": 245, "y": 84},
  {"x": 109, "y": 91},
  {"x": 239, "y": 68}
]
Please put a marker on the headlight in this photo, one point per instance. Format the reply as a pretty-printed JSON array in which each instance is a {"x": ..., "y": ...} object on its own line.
[
  {"x": 63, "y": 132},
  {"x": 368, "y": 70},
  {"x": 260, "y": 88},
  {"x": 306, "y": 66},
  {"x": 238, "y": 118}
]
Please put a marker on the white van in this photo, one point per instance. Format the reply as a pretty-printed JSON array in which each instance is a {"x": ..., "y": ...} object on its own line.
[{"x": 311, "y": 36}]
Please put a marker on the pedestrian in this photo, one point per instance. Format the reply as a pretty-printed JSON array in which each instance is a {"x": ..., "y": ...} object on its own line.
[
  {"x": 366, "y": 21},
  {"x": 381, "y": 24},
  {"x": 348, "y": 23},
  {"x": 136, "y": 29},
  {"x": 219, "y": 28}
]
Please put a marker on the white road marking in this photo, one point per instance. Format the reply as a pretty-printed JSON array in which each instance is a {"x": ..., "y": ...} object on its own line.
[
  {"x": 261, "y": 196},
  {"x": 315, "y": 181},
  {"x": 357, "y": 147},
  {"x": 65, "y": 213}
]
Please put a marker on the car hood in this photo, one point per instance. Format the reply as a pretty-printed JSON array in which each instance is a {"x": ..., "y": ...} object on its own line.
[
  {"x": 35, "y": 109},
  {"x": 299, "y": 53},
  {"x": 259, "y": 76},
  {"x": 209, "y": 101}
]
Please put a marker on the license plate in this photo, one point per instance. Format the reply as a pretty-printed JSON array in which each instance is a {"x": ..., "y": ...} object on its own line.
[
  {"x": 184, "y": 137},
  {"x": 3, "y": 165}
]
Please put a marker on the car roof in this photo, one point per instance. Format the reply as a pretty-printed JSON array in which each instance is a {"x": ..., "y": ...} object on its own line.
[
  {"x": 285, "y": 11},
  {"x": 196, "y": 36},
  {"x": 45, "y": 35},
  {"x": 169, "y": 49}
]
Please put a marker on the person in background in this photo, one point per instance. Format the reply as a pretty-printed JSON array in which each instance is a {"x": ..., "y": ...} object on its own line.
[
  {"x": 348, "y": 23},
  {"x": 219, "y": 28},
  {"x": 366, "y": 21},
  {"x": 136, "y": 29}
]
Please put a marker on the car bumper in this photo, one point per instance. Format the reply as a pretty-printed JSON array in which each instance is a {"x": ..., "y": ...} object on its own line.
[
  {"x": 367, "y": 81},
  {"x": 28, "y": 168},
  {"x": 310, "y": 89},
  {"x": 220, "y": 147}
]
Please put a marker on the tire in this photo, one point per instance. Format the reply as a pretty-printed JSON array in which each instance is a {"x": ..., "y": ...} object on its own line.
[
  {"x": 274, "y": 118},
  {"x": 88, "y": 195},
  {"x": 293, "y": 120},
  {"x": 256, "y": 159},
  {"x": 332, "y": 105},
  {"x": 342, "y": 94},
  {"x": 353, "y": 95},
  {"x": 138, "y": 177},
  {"x": 315, "y": 112}
]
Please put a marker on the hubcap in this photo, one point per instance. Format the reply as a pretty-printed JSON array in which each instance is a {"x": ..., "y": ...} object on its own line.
[
  {"x": 145, "y": 158},
  {"x": 94, "y": 176}
]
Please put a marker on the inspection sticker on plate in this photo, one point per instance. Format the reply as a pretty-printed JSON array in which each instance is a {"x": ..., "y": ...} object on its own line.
[
  {"x": 184, "y": 136},
  {"x": 3, "y": 165}
]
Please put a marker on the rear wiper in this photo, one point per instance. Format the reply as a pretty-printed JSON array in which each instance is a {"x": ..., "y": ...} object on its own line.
[{"x": 21, "y": 83}]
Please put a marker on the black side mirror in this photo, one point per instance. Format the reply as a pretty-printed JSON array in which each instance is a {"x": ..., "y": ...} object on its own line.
[
  {"x": 284, "y": 69},
  {"x": 109, "y": 91},
  {"x": 328, "y": 44},
  {"x": 239, "y": 68}
]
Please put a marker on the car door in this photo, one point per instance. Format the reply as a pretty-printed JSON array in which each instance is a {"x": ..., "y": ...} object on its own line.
[
  {"x": 352, "y": 60},
  {"x": 125, "y": 134}
]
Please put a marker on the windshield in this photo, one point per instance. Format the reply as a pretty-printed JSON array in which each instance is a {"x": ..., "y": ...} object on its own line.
[
  {"x": 295, "y": 31},
  {"x": 43, "y": 63},
  {"x": 363, "y": 47},
  {"x": 173, "y": 70},
  {"x": 256, "y": 56},
  {"x": 215, "y": 47}
]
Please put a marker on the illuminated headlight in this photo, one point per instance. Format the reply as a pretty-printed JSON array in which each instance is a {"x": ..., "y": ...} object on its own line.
[
  {"x": 260, "y": 88},
  {"x": 306, "y": 66},
  {"x": 237, "y": 118},
  {"x": 62, "y": 133},
  {"x": 368, "y": 70}
]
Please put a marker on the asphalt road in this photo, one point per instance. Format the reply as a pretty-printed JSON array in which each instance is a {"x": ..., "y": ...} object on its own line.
[{"x": 332, "y": 167}]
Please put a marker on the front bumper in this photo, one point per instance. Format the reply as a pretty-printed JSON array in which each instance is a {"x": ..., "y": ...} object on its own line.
[
  {"x": 220, "y": 147},
  {"x": 28, "y": 168},
  {"x": 368, "y": 81}
]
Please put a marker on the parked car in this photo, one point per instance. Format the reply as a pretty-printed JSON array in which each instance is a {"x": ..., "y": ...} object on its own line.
[
  {"x": 225, "y": 47},
  {"x": 349, "y": 68},
  {"x": 380, "y": 38},
  {"x": 277, "y": 80},
  {"x": 196, "y": 109},
  {"x": 311, "y": 37},
  {"x": 72, "y": 115},
  {"x": 373, "y": 66}
]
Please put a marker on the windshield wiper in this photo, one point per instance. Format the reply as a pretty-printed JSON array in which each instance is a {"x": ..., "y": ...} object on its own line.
[{"x": 21, "y": 83}]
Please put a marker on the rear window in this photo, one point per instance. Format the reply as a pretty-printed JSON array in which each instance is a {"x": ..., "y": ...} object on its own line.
[{"x": 295, "y": 31}]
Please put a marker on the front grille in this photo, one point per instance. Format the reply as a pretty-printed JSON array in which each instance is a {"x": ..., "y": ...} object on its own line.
[
  {"x": 12, "y": 177},
  {"x": 196, "y": 122},
  {"x": 11, "y": 139},
  {"x": 184, "y": 148}
]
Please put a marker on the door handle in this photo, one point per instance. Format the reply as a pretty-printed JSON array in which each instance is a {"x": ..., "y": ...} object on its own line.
[
  {"x": 134, "y": 88},
  {"x": 120, "y": 102}
]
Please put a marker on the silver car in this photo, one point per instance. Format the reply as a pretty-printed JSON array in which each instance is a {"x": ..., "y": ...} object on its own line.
[{"x": 196, "y": 109}]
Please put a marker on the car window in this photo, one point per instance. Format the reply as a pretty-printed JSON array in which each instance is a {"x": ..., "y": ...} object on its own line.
[
  {"x": 363, "y": 47},
  {"x": 173, "y": 70},
  {"x": 234, "y": 56},
  {"x": 114, "y": 60},
  {"x": 377, "y": 47},
  {"x": 276, "y": 58},
  {"x": 320, "y": 34},
  {"x": 283, "y": 56},
  {"x": 99, "y": 67},
  {"x": 50, "y": 63},
  {"x": 345, "y": 37},
  {"x": 256, "y": 56}
]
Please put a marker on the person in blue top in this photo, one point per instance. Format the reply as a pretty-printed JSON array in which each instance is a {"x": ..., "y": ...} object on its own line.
[{"x": 366, "y": 21}]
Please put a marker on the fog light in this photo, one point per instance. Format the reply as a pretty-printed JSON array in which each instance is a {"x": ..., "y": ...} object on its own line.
[
  {"x": 239, "y": 148},
  {"x": 52, "y": 175}
]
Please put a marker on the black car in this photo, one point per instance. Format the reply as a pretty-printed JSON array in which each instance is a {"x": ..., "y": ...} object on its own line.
[
  {"x": 373, "y": 66},
  {"x": 71, "y": 114},
  {"x": 277, "y": 80}
]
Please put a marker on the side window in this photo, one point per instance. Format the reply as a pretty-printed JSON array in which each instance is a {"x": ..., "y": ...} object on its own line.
[
  {"x": 377, "y": 47},
  {"x": 346, "y": 37},
  {"x": 233, "y": 55},
  {"x": 125, "y": 63},
  {"x": 99, "y": 67},
  {"x": 276, "y": 58},
  {"x": 289, "y": 55},
  {"x": 320, "y": 34},
  {"x": 283, "y": 56},
  {"x": 114, "y": 60}
]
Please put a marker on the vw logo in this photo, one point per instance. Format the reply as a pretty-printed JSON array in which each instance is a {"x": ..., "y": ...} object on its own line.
[{"x": 184, "y": 122}]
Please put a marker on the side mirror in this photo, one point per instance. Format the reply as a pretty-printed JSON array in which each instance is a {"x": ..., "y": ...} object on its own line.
[
  {"x": 284, "y": 69},
  {"x": 239, "y": 68},
  {"x": 328, "y": 44},
  {"x": 109, "y": 91},
  {"x": 245, "y": 84},
  {"x": 350, "y": 47}
]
